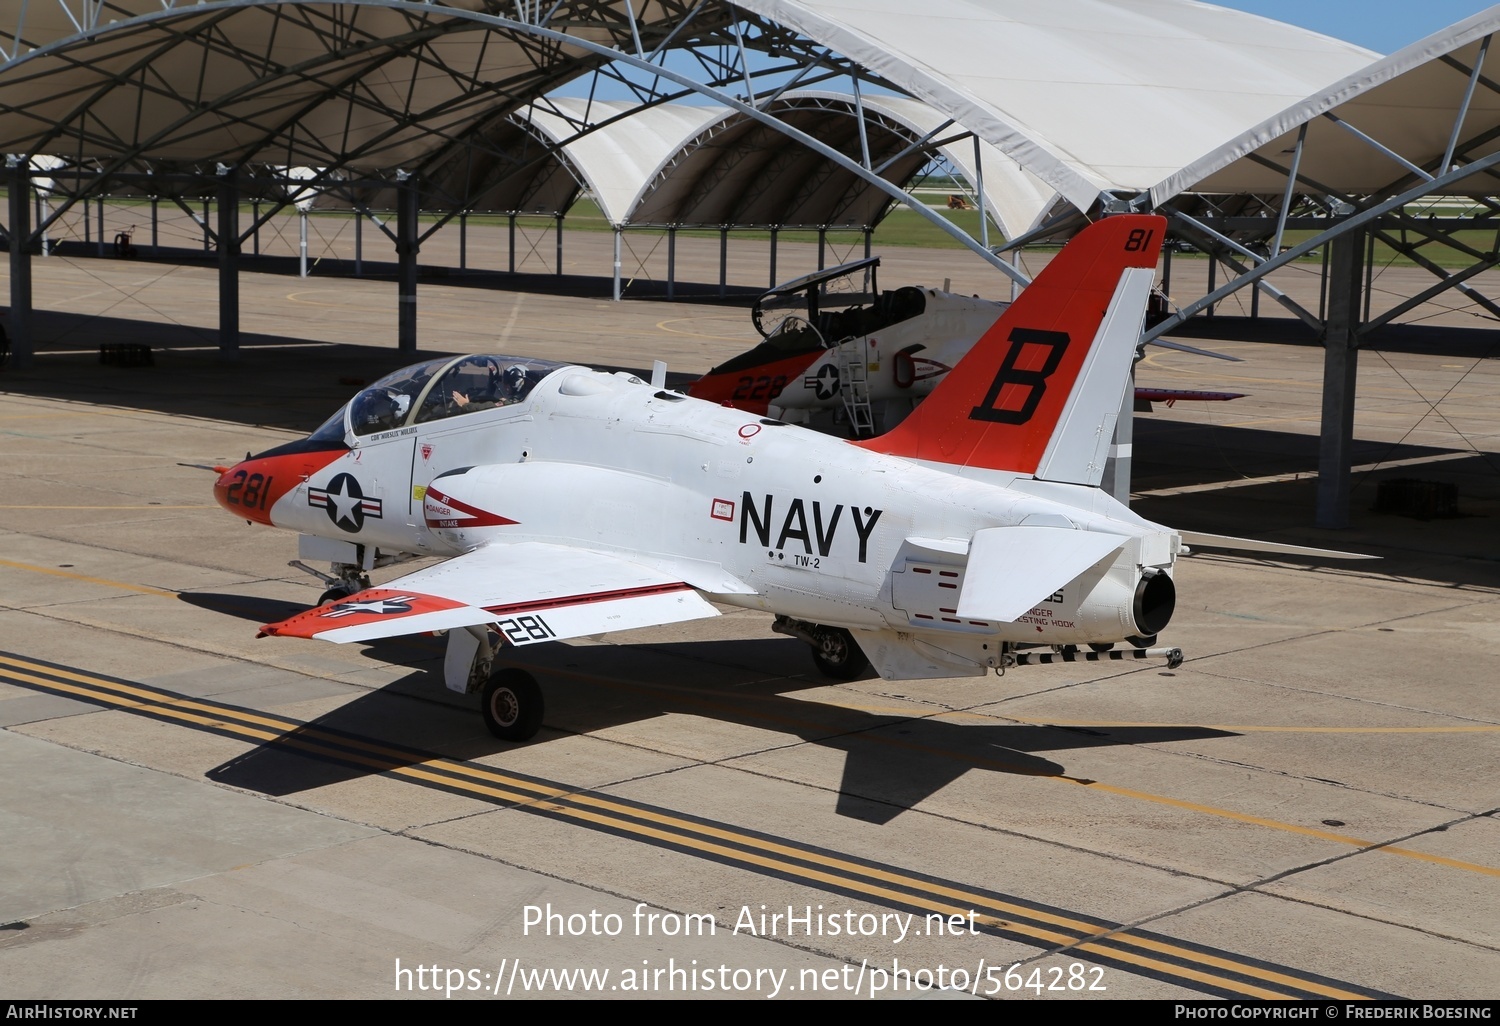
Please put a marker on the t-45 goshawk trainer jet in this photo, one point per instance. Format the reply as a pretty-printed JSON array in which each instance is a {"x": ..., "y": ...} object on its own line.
[{"x": 570, "y": 502}]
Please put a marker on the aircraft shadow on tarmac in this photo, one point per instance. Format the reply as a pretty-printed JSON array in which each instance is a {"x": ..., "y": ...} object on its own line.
[{"x": 892, "y": 761}]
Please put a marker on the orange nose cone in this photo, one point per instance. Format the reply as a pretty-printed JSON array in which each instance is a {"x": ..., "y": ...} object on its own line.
[{"x": 249, "y": 489}]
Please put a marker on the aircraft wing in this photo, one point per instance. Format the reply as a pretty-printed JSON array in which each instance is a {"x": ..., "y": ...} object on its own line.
[{"x": 532, "y": 591}]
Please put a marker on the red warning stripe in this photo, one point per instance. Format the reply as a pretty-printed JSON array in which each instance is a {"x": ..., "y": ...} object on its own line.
[{"x": 580, "y": 600}]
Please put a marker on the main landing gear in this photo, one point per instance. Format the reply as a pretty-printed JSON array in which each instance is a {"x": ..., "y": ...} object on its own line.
[
  {"x": 510, "y": 700},
  {"x": 834, "y": 650},
  {"x": 512, "y": 705}
]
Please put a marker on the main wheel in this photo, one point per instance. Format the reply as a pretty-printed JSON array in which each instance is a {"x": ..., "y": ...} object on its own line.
[
  {"x": 512, "y": 705},
  {"x": 838, "y": 655},
  {"x": 334, "y": 595}
]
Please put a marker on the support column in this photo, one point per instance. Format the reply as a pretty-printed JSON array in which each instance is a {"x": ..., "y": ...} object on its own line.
[
  {"x": 100, "y": 207},
  {"x": 867, "y": 243},
  {"x": 559, "y": 244},
  {"x": 773, "y": 259},
  {"x": 671, "y": 263},
  {"x": 406, "y": 261},
  {"x": 207, "y": 242},
  {"x": 302, "y": 243},
  {"x": 229, "y": 265},
  {"x": 18, "y": 322},
  {"x": 255, "y": 231},
  {"x": 1340, "y": 366},
  {"x": 822, "y": 242},
  {"x": 512, "y": 243},
  {"x": 723, "y": 262},
  {"x": 463, "y": 241},
  {"x": 155, "y": 223},
  {"x": 359, "y": 243},
  {"x": 41, "y": 216},
  {"x": 617, "y": 265}
]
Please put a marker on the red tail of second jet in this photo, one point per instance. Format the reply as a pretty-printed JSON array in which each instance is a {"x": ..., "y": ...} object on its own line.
[{"x": 1040, "y": 392}]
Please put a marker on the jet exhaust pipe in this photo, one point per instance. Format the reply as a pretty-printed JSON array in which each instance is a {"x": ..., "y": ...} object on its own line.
[{"x": 1155, "y": 600}]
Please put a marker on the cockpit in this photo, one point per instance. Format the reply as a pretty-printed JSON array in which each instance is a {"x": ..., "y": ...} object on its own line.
[{"x": 437, "y": 390}]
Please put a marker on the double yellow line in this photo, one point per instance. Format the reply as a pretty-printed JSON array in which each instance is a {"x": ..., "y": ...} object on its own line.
[{"x": 1193, "y": 966}]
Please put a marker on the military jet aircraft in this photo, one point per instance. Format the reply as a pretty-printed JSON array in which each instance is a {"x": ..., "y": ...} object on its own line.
[
  {"x": 840, "y": 354},
  {"x": 568, "y": 502}
]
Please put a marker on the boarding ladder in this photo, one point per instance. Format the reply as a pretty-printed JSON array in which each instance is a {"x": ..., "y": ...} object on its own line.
[{"x": 854, "y": 386}]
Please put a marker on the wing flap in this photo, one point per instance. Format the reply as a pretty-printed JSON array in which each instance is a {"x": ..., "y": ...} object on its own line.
[
  {"x": 532, "y": 592},
  {"x": 1012, "y": 569}
]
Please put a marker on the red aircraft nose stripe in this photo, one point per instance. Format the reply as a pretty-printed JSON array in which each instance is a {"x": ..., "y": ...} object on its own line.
[{"x": 250, "y": 489}]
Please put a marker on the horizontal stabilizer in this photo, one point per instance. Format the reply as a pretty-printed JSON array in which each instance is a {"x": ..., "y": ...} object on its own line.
[
  {"x": 1012, "y": 569},
  {"x": 531, "y": 591},
  {"x": 1223, "y": 541}
]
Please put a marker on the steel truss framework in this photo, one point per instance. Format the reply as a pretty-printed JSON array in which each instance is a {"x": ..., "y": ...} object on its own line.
[
  {"x": 376, "y": 96},
  {"x": 425, "y": 104}
]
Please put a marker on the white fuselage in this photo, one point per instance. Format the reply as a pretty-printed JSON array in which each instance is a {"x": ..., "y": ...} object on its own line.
[{"x": 751, "y": 512}]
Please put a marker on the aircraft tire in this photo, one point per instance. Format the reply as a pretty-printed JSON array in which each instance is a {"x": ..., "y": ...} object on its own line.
[
  {"x": 1101, "y": 646},
  {"x": 838, "y": 655},
  {"x": 333, "y": 595},
  {"x": 1141, "y": 642},
  {"x": 512, "y": 705}
]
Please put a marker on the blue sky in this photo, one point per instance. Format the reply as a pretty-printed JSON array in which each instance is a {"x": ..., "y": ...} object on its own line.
[{"x": 1382, "y": 25}]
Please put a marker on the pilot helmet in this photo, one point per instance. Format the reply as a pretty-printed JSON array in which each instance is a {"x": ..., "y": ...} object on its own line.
[{"x": 514, "y": 379}]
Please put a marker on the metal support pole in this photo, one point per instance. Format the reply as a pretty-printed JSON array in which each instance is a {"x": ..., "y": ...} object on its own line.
[
  {"x": 88, "y": 228},
  {"x": 359, "y": 243},
  {"x": 406, "y": 259},
  {"x": 1340, "y": 364},
  {"x": 302, "y": 242},
  {"x": 1213, "y": 278},
  {"x": 559, "y": 243},
  {"x": 867, "y": 243},
  {"x": 773, "y": 259},
  {"x": 19, "y": 318},
  {"x": 671, "y": 263},
  {"x": 512, "y": 243},
  {"x": 207, "y": 244},
  {"x": 984, "y": 217},
  {"x": 1166, "y": 270},
  {"x": 155, "y": 223},
  {"x": 463, "y": 241},
  {"x": 822, "y": 243},
  {"x": 723, "y": 262},
  {"x": 617, "y": 264},
  {"x": 255, "y": 220},
  {"x": 41, "y": 216},
  {"x": 229, "y": 269}
]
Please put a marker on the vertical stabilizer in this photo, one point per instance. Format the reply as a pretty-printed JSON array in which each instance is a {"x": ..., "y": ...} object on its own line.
[{"x": 1040, "y": 391}]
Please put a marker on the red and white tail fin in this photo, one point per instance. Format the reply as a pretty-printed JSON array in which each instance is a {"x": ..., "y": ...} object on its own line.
[{"x": 1040, "y": 391}]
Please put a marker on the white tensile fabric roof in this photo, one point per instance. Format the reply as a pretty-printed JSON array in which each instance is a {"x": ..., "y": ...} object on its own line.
[
  {"x": 638, "y": 164},
  {"x": 617, "y": 160},
  {"x": 1088, "y": 95},
  {"x": 1407, "y": 102}
]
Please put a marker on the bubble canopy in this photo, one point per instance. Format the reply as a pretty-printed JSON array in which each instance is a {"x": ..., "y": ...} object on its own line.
[{"x": 436, "y": 390}]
